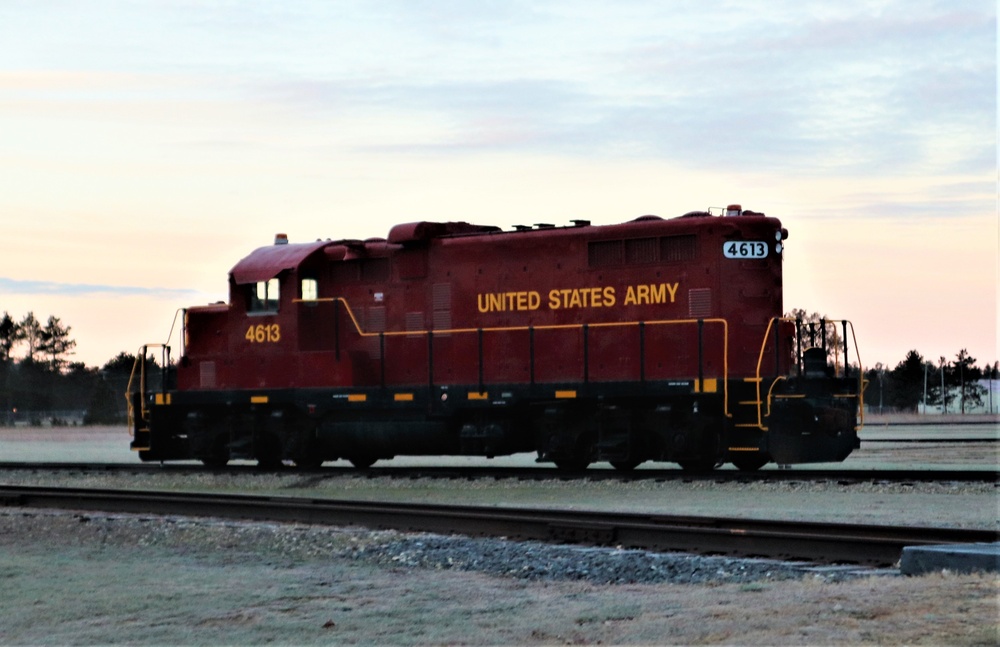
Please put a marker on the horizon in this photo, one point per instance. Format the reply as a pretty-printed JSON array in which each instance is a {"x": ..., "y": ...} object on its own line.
[{"x": 146, "y": 148}]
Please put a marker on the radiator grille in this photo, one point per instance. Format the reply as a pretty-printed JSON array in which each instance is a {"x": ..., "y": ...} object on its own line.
[{"x": 700, "y": 303}]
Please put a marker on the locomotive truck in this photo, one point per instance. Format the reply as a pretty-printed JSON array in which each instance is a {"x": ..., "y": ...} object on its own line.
[{"x": 650, "y": 340}]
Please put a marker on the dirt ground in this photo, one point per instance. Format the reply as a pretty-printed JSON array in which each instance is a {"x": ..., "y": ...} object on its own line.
[{"x": 86, "y": 580}]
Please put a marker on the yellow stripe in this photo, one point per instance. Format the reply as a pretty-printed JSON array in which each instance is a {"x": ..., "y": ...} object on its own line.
[
  {"x": 479, "y": 396},
  {"x": 566, "y": 394},
  {"x": 357, "y": 397},
  {"x": 258, "y": 399},
  {"x": 163, "y": 398},
  {"x": 744, "y": 449},
  {"x": 403, "y": 397}
]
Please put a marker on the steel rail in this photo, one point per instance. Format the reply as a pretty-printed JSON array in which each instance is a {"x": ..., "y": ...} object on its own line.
[
  {"x": 810, "y": 541},
  {"x": 471, "y": 473},
  {"x": 935, "y": 441}
]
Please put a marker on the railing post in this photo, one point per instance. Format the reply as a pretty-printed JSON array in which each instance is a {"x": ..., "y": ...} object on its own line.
[
  {"x": 430, "y": 359},
  {"x": 183, "y": 332},
  {"x": 142, "y": 383},
  {"x": 843, "y": 323},
  {"x": 701, "y": 354},
  {"x": 798, "y": 344},
  {"x": 336, "y": 328},
  {"x": 381, "y": 354},
  {"x": 642, "y": 351},
  {"x": 165, "y": 369},
  {"x": 144, "y": 412},
  {"x": 777, "y": 347},
  {"x": 586, "y": 353},
  {"x": 531, "y": 354},
  {"x": 480, "y": 334}
]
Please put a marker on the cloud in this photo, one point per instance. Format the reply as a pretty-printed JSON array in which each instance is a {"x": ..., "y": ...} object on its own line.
[
  {"x": 845, "y": 90},
  {"x": 15, "y": 286},
  {"x": 801, "y": 89}
]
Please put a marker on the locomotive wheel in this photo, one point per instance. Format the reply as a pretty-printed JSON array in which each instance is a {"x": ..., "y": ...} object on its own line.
[
  {"x": 362, "y": 462},
  {"x": 269, "y": 463},
  {"x": 215, "y": 461},
  {"x": 267, "y": 451},
  {"x": 219, "y": 456},
  {"x": 579, "y": 459},
  {"x": 709, "y": 443},
  {"x": 305, "y": 451},
  {"x": 573, "y": 464},
  {"x": 626, "y": 465},
  {"x": 750, "y": 463},
  {"x": 308, "y": 463},
  {"x": 698, "y": 465}
]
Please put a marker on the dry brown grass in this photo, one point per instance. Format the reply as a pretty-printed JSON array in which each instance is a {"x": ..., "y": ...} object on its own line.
[{"x": 76, "y": 580}]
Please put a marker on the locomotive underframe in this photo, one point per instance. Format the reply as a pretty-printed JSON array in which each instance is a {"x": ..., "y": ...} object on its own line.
[{"x": 571, "y": 424}]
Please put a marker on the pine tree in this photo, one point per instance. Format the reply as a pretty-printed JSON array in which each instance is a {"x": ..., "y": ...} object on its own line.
[
  {"x": 29, "y": 331},
  {"x": 8, "y": 337},
  {"x": 56, "y": 343},
  {"x": 906, "y": 385},
  {"x": 966, "y": 375}
]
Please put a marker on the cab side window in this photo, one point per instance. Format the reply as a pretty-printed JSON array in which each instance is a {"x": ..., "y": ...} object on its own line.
[
  {"x": 264, "y": 296},
  {"x": 310, "y": 289}
]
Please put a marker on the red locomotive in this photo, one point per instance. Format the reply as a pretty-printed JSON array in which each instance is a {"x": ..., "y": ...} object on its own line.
[{"x": 655, "y": 339}]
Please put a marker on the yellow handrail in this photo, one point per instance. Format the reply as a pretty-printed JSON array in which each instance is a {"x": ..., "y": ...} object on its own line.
[
  {"x": 138, "y": 365},
  {"x": 760, "y": 360},
  {"x": 601, "y": 324}
]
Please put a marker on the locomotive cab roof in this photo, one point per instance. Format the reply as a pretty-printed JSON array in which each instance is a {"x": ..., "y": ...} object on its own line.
[{"x": 265, "y": 263}]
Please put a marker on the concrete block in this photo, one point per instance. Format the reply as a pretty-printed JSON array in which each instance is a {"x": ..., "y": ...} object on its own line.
[{"x": 957, "y": 558}]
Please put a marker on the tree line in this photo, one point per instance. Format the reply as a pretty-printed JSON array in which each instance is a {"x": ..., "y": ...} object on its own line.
[
  {"x": 36, "y": 376},
  {"x": 952, "y": 386}
]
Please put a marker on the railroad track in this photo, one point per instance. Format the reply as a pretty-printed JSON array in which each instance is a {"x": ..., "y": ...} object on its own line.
[
  {"x": 977, "y": 475},
  {"x": 932, "y": 441},
  {"x": 810, "y": 541}
]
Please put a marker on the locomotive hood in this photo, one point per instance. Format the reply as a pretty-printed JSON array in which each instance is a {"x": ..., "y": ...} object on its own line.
[{"x": 265, "y": 263}]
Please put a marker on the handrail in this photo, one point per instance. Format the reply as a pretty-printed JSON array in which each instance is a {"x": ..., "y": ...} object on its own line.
[
  {"x": 128, "y": 393},
  {"x": 182, "y": 312},
  {"x": 139, "y": 364},
  {"x": 760, "y": 360},
  {"x": 605, "y": 324}
]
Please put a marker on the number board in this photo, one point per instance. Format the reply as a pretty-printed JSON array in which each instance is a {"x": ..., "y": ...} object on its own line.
[
  {"x": 744, "y": 249},
  {"x": 263, "y": 333}
]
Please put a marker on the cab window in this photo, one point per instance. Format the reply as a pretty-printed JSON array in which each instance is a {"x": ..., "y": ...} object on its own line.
[
  {"x": 264, "y": 296},
  {"x": 310, "y": 289}
]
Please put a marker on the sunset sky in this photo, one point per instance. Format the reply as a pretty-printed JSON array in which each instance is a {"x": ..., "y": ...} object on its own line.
[{"x": 146, "y": 146}]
